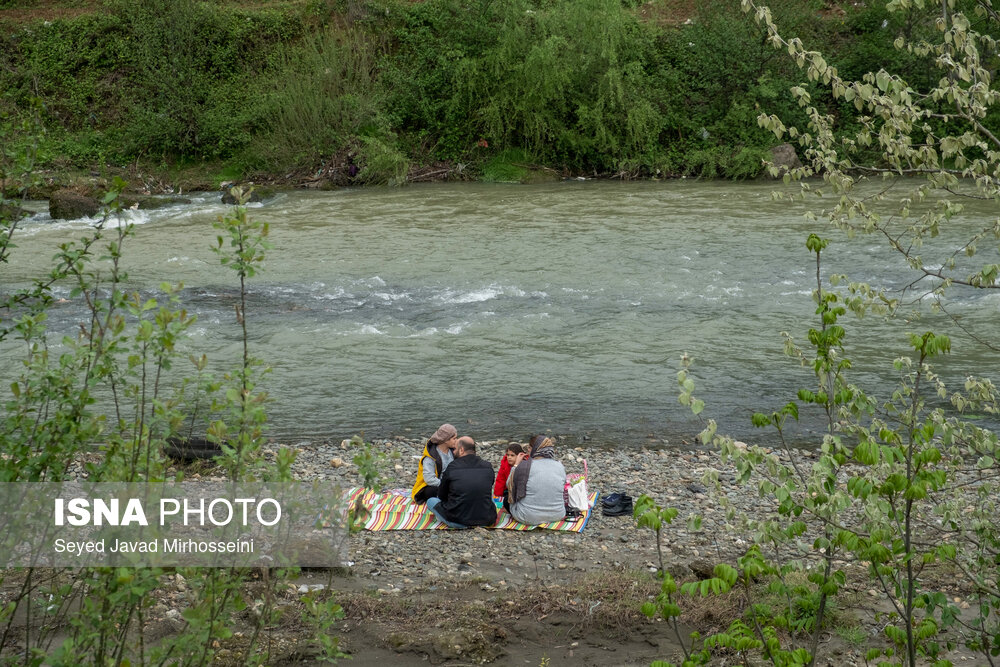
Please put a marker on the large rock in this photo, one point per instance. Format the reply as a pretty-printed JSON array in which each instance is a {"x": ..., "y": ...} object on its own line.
[
  {"x": 229, "y": 200},
  {"x": 784, "y": 158},
  {"x": 702, "y": 569},
  {"x": 68, "y": 205}
]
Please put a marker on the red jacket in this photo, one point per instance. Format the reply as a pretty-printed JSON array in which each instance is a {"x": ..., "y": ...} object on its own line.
[{"x": 502, "y": 474}]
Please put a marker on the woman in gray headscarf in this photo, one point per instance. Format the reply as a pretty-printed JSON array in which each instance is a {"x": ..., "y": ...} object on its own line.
[{"x": 536, "y": 484}]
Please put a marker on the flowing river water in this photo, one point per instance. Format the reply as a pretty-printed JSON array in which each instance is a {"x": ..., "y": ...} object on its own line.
[{"x": 510, "y": 309}]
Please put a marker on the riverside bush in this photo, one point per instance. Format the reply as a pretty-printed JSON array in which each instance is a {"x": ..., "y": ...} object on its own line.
[
  {"x": 713, "y": 75},
  {"x": 920, "y": 476},
  {"x": 565, "y": 81},
  {"x": 197, "y": 74},
  {"x": 938, "y": 129},
  {"x": 325, "y": 95},
  {"x": 903, "y": 467},
  {"x": 509, "y": 166},
  {"x": 148, "y": 78},
  {"x": 242, "y": 436}
]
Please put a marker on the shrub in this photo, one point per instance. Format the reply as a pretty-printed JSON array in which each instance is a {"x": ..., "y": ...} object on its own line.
[
  {"x": 565, "y": 81},
  {"x": 323, "y": 97},
  {"x": 196, "y": 72},
  {"x": 508, "y": 166}
]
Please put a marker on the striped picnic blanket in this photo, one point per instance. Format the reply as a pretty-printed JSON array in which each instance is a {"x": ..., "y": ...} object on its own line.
[{"x": 395, "y": 510}]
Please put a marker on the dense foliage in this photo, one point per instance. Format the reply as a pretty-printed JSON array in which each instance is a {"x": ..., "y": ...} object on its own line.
[{"x": 587, "y": 86}]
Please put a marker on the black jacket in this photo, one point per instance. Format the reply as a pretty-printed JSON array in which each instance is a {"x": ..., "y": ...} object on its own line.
[{"x": 466, "y": 492}]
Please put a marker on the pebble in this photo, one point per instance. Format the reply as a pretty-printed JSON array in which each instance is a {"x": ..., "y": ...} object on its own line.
[{"x": 309, "y": 588}]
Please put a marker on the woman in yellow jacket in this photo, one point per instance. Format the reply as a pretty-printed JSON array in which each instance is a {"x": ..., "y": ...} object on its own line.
[{"x": 436, "y": 457}]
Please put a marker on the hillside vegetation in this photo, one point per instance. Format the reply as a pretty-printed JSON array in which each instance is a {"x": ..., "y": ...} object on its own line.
[{"x": 373, "y": 91}]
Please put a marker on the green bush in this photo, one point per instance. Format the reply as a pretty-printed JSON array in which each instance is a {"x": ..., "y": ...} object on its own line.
[
  {"x": 381, "y": 162},
  {"x": 715, "y": 75},
  {"x": 566, "y": 81},
  {"x": 71, "y": 65},
  {"x": 324, "y": 96},
  {"x": 197, "y": 73},
  {"x": 437, "y": 45},
  {"x": 507, "y": 167},
  {"x": 147, "y": 78}
]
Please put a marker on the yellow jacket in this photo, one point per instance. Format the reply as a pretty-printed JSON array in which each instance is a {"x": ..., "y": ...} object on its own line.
[{"x": 432, "y": 452}]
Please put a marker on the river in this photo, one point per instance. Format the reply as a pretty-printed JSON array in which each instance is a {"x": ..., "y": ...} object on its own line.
[{"x": 509, "y": 309}]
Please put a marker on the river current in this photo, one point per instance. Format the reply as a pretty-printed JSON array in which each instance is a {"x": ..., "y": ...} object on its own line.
[{"x": 509, "y": 309}]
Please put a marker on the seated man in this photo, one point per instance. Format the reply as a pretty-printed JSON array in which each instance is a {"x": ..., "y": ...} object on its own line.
[{"x": 465, "y": 497}]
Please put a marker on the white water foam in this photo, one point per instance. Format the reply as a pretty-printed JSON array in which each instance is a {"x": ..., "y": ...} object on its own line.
[
  {"x": 374, "y": 281},
  {"x": 475, "y": 296},
  {"x": 392, "y": 296},
  {"x": 42, "y": 223},
  {"x": 429, "y": 331},
  {"x": 492, "y": 291},
  {"x": 331, "y": 296}
]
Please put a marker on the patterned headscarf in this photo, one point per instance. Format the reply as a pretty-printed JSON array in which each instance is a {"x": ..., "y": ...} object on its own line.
[
  {"x": 542, "y": 447},
  {"x": 444, "y": 433}
]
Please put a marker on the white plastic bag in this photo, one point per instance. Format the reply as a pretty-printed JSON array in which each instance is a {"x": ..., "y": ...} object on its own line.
[{"x": 577, "y": 494}]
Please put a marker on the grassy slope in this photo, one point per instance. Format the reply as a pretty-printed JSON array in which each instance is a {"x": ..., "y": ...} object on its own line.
[{"x": 398, "y": 108}]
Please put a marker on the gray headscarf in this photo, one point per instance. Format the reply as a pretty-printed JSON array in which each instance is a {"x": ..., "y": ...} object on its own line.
[{"x": 541, "y": 448}]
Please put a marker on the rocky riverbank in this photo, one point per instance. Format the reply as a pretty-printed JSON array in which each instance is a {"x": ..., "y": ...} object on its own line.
[
  {"x": 569, "y": 576},
  {"x": 543, "y": 597},
  {"x": 538, "y": 597},
  {"x": 399, "y": 560}
]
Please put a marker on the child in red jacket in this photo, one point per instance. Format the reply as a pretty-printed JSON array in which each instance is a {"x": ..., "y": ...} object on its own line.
[{"x": 500, "y": 487}]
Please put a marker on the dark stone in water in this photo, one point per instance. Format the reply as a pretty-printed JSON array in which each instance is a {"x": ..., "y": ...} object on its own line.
[
  {"x": 229, "y": 200},
  {"x": 147, "y": 202},
  {"x": 785, "y": 158},
  {"x": 12, "y": 213},
  {"x": 68, "y": 205}
]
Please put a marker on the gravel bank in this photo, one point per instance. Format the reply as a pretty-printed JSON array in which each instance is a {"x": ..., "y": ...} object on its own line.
[{"x": 404, "y": 560}]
